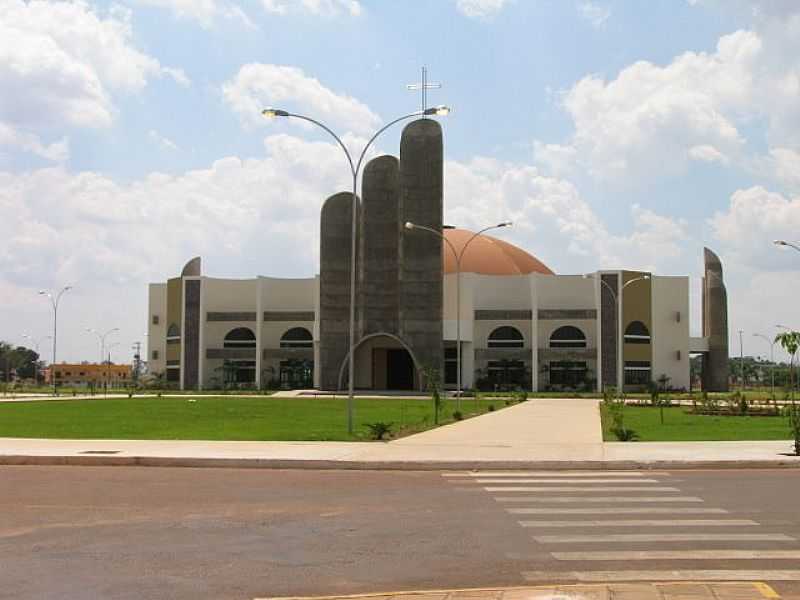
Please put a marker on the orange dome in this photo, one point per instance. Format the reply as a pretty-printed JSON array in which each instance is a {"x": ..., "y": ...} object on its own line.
[{"x": 489, "y": 256}]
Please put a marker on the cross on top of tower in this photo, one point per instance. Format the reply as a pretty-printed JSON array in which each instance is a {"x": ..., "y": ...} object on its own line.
[{"x": 423, "y": 88}]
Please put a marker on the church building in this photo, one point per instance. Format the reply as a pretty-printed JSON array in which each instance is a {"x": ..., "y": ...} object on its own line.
[{"x": 520, "y": 324}]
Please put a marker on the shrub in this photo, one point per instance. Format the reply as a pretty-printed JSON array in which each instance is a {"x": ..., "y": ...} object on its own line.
[
  {"x": 491, "y": 408},
  {"x": 457, "y": 415},
  {"x": 793, "y": 413},
  {"x": 616, "y": 410},
  {"x": 378, "y": 430},
  {"x": 522, "y": 396}
]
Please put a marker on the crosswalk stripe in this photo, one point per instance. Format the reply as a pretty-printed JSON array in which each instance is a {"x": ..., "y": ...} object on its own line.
[
  {"x": 663, "y": 537},
  {"x": 589, "y": 474},
  {"x": 681, "y": 575},
  {"x": 527, "y": 488},
  {"x": 581, "y": 481},
  {"x": 679, "y": 555},
  {"x": 598, "y": 499},
  {"x": 626, "y": 510},
  {"x": 643, "y": 523}
]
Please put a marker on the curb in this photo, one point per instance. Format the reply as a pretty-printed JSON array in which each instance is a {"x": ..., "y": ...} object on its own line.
[{"x": 355, "y": 465}]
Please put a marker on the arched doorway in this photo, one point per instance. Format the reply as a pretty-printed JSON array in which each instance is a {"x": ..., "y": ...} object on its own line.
[{"x": 383, "y": 362}]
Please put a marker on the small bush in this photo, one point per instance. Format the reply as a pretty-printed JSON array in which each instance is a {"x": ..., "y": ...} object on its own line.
[
  {"x": 491, "y": 408},
  {"x": 793, "y": 413},
  {"x": 377, "y": 431},
  {"x": 624, "y": 434},
  {"x": 457, "y": 416}
]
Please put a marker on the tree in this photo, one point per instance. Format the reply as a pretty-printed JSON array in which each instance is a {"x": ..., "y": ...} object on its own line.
[
  {"x": 433, "y": 382},
  {"x": 790, "y": 341},
  {"x": 20, "y": 360}
]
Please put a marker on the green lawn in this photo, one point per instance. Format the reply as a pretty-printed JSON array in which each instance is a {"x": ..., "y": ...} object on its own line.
[
  {"x": 220, "y": 418},
  {"x": 680, "y": 426}
]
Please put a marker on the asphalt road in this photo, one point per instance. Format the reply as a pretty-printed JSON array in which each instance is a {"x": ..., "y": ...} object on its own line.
[{"x": 137, "y": 533}]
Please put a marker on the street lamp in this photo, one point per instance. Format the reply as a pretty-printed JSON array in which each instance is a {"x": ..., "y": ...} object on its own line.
[
  {"x": 617, "y": 309},
  {"x": 354, "y": 170},
  {"x": 54, "y": 301},
  {"x": 787, "y": 244},
  {"x": 102, "y": 338},
  {"x": 36, "y": 344},
  {"x": 458, "y": 256},
  {"x": 771, "y": 359}
]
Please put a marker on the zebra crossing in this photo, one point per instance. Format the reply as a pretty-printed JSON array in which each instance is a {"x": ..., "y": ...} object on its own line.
[{"x": 634, "y": 526}]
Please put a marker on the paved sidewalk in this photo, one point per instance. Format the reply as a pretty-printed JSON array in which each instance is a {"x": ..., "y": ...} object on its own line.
[{"x": 630, "y": 591}]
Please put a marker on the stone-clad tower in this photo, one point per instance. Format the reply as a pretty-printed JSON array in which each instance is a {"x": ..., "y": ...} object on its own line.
[
  {"x": 399, "y": 284},
  {"x": 421, "y": 277},
  {"x": 715, "y": 325}
]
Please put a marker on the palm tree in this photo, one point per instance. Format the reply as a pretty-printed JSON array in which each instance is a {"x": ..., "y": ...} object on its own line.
[{"x": 790, "y": 341}]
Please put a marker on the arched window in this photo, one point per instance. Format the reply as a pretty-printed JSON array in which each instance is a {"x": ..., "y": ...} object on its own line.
[
  {"x": 637, "y": 333},
  {"x": 241, "y": 337},
  {"x": 173, "y": 331},
  {"x": 506, "y": 337},
  {"x": 297, "y": 337},
  {"x": 568, "y": 337}
]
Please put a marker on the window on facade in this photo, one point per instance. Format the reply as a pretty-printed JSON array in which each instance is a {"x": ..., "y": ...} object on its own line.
[
  {"x": 155, "y": 355},
  {"x": 506, "y": 337},
  {"x": 568, "y": 337},
  {"x": 173, "y": 334},
  {"x": 241, "y": 337},
  {"x": 567, "y": 373},
  {"x": 297, "y": 337},
  {"x": 508, "y": 373},
  {"x": 637, "y": 372},
  {"x": 450, "y": 366},
  {"x": 637, "y": 333},
  {"x": 173, "y": 375},
  {"x": 296, "y": 374},
  {"x": 155, "y": 319}
]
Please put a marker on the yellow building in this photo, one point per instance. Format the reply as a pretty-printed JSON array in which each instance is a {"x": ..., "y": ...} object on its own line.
[{"x": 89, "y": 375}]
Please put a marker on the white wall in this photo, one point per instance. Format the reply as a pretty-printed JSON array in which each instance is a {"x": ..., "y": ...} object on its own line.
[
  {"x": 157, "y": 334},
  {"x": 671, "y": 297}
]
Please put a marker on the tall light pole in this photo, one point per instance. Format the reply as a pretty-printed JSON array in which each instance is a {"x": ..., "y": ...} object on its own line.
[
  {"x": 54, "y": 302},
  {"x": 102, "y": 337},
  {"x": 771, "y": 360},
  {"x": 786, "y": 244},
  {"x": 36, "y": 344},
  {"x": 355, "y": 168},
  {"x": 458, "y": 256},
  {"x": 617, "y": 310}
]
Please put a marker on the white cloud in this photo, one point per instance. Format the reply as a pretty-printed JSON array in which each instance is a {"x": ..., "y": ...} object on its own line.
[
  {"x": 28, "y": 142},
  {"x": 480, "y": 8},
  {"x": 328, "y": 8},
  {"x": 707, "y": 153},
  {"x": 55, "y": 76},
  {"x": 205, "y": 12},
  {"x": 553, "y": 221},
  {"x": 595, "y": 13},
  {"x": 162, "y": 141},
  {"x": 786, "y": 166},
  {"x": 754, "y": 218},
  {"x": 257, "y": 86}
]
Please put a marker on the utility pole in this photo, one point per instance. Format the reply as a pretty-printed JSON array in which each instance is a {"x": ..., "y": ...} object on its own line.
[{"x": 137, "y": 360}]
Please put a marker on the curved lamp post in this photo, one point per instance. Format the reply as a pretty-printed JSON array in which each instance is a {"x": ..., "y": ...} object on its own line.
[
  {"x": 54, "y": 301},
  {"x": 458, "y": 256},
  {"x": 787, "y": 244},
  {"x": 617, "y": 309},
  {"x": 102, "y": 338},
  {"x": 355, "y": 168},
  {"x": 771, "y": 359},
  {"x": 36, "y": 344}
]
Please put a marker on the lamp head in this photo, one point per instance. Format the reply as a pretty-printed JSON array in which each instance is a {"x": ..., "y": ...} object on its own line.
[
  {"x": 505, "y": 224},
  {"x": 42, "y": 293},
  {"x": 409, "y": 225},
  {"x": 780, "y": 243},
  {"x": 645, "y": 276},
  {"x": 440, "y": 110},
  {"x": 271, "y": 113}
]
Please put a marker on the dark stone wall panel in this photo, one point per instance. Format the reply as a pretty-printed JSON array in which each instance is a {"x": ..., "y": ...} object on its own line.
[
  {"x": 334, "y": 274},
  {"x": 191, "y": 336},
  {"x": 609, "y": 330},
  {"x": 230, "y": 316},
  {"x": 715, "y": 326}
]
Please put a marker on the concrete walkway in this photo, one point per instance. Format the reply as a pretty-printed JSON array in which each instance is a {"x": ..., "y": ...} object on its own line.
[
  {"x": 541, "y": 433},
  {"x": 621, "y": 591}
]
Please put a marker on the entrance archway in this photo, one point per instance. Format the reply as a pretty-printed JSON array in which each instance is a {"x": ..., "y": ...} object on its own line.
[{"x": 383, "y": 362}]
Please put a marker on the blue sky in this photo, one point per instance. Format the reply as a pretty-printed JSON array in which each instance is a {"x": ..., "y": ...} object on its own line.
[{"x": 614, "y": 133}]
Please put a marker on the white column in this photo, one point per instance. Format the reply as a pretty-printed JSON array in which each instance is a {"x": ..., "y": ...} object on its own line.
[
  {"x": 598, "y": 302},
  {"x": 201, "y": 356},
  {"x": 259, "y": 323}
]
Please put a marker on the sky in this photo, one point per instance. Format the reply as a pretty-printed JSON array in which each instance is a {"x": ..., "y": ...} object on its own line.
[{"x": 613, "y": 133}]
